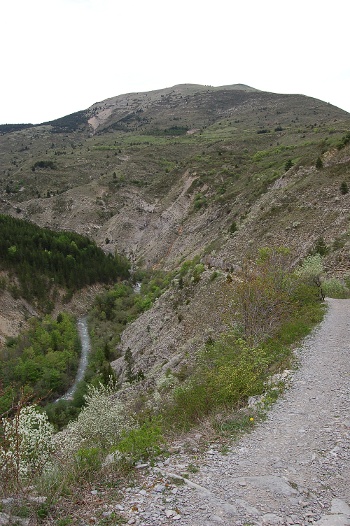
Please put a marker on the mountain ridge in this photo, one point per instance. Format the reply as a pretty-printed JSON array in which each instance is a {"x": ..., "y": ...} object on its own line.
[{"x": 215, "y": 173}]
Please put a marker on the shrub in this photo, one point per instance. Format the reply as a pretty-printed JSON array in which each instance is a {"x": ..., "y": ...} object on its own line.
[
  {"x": 142, "y": 442},
  {"x": 321, "y": 247},
  {"x": 233, "y": 227},
  {"x": 344, "y": 141},
  {"x": 311, "y": 271},
  {"x": 199, "y": 201},
  {"x": 334, "y": 288},
  {"x": 344, "y": 189},
  {"x": 27, "y": 445},
  {"x": 44, "y": 164},
  {"x": 88, "y": 461},
  {"x": 288, "y": 165},
  {"x": 238, "y": 370},
  {"x": 229, "y": 371},
  {"x": 262, "y": 293},
  {"x": 319, "y": 163},
  {"x": 99, "y": 424},
  {"x": 197, "y": 271}
]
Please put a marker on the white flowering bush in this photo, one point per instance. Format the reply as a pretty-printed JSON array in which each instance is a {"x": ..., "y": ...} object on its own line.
[
  {"x": 27, "y": 445},
  {"x": 99, "y": 424}
]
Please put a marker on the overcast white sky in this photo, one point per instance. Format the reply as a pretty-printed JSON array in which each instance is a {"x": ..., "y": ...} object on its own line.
[{"x": 61, "y": 56}]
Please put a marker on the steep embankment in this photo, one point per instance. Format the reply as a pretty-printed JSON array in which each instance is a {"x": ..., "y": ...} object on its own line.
[{"x": 292, "y": 469}]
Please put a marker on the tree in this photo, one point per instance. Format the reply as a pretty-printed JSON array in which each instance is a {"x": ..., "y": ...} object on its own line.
[
  {"x": 344, "y": 189},
  {"x": 321, "y": 247},
  {"x": 288, "y": 165},
  {"x": 233, "y": 227},
  {"x": 319, "y": 163}
]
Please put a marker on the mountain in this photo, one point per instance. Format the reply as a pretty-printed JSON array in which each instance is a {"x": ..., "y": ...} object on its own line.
[{"x": 167, "y": 175}]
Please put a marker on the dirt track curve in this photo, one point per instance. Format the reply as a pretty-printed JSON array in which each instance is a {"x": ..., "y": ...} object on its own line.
[{"x": 293, "y": 469}]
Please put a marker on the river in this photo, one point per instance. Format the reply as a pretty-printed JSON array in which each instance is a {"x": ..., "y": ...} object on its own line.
[{"x": 85, "y": 350}]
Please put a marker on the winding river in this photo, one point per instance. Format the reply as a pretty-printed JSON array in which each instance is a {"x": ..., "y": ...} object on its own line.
[{"x": 85, "y": 350}]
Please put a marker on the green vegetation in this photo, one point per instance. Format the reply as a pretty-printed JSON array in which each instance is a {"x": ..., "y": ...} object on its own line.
[
  {"x": 116, "y": 307},
  {"x": 8, "y": 128},
  {"x": 319, "y": 163},
  {"x": 172, "y": 131},
  {"x": 275, "y": 308},
  {"x": 344, "y": 188},
  {"x": 39, "y": 261},
  {"x": 43, "y": 165},
  {"x": 41, "y": 362},
  {"x": 139, "y": 164},
  {"x": 199, "y": 202},
  {"x": 336, "y": 288},
  {"x": 288, "y": 164},
  {"x": 233, "y": 227},
  {"x": 69, "y": 123},
  {"x": 320, "y": 247},
  {"x": 344, "y": 141},
  {"x": 142, "y": 442}
]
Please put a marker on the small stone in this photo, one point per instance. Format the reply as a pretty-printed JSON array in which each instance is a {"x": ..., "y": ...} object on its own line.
[
  {"x": 141, "y": 466},
  {"x": 39, "y": 500},
  {"x": 143, "y": 492},
  {"x": 119, "y": 507},
  {"x": 272, "y": 518},
  {"x": 170, "y": 513},
  {"x": 94, "y": 492},
  {"x": 159, "y": 488},
  {"x": 177, "y": 517}
]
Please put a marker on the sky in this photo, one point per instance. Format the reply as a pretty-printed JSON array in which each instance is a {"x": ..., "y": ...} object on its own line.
[{"x": 61, "y": 56}]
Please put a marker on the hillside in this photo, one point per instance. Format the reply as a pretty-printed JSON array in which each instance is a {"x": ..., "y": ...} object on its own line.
[
  {"x": 191, "y": 170},
  {"x": 188, "y": 182},
  {"x": 291, "y": 469}
]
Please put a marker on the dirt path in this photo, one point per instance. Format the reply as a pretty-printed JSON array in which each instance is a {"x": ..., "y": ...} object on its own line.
[{"x": 294, "y": 468}]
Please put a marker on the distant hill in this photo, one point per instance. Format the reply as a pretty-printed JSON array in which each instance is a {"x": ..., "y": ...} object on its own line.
[{"x": 165, "y": 175}]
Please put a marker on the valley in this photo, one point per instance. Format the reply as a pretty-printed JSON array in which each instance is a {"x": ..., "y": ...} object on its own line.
[{"x": 230, "y": 209}]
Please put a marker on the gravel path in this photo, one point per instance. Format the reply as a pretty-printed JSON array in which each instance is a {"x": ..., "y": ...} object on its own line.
[{"x": 294, "y": 468}]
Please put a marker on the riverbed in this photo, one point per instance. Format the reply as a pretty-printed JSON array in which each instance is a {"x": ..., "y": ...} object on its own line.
[{"x": 85, "y": 351}]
